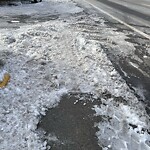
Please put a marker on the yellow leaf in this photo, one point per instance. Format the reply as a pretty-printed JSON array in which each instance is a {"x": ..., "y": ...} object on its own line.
[{"x": 5, "y": 80}]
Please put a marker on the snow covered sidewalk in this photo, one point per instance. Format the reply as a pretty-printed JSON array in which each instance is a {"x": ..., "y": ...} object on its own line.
[{"x": 48, "y": 59}]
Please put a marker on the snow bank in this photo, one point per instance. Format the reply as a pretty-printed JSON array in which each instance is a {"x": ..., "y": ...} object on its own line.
[{"x": 49, "y": 59}]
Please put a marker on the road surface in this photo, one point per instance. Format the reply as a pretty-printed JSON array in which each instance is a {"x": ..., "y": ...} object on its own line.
[{"x": 135, "y": 12}]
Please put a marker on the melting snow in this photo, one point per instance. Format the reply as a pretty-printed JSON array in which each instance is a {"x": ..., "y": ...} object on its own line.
[{"x": 49, "y": 59}]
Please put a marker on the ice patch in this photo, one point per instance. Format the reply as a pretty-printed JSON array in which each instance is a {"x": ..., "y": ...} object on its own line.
[{"x": 121, "y": 126}]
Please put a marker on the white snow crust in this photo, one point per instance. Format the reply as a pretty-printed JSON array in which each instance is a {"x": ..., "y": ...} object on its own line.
[{"x": 49, "y": 59}]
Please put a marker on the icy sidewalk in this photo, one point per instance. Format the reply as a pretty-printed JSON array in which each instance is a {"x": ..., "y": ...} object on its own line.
[{"x": 47, "y": 60}]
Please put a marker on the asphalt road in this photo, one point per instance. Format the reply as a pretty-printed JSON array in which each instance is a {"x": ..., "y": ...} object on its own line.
[
  {"x": 134, "y": 8},
  {"x": 133, "y": 12}
]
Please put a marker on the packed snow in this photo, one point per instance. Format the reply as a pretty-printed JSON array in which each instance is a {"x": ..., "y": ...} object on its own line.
[{"x": 48, "y": 59}]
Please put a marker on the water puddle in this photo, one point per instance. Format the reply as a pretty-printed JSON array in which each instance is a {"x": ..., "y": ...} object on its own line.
[{"x": 70, "y": 125}]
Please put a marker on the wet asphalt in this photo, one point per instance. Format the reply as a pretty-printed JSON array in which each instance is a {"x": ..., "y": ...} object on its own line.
[
  {"x": 72, "y": 123},
  {"x": 126, "y": 9}
]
